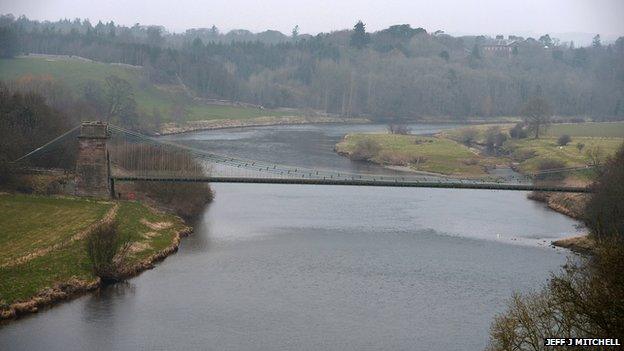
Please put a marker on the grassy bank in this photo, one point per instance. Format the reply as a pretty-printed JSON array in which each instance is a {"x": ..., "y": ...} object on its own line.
[
  {"x": 427, "y": 154},
  {"x": 447, "y": 153},
  {"x": 75, "y": 73},
  {"x": 43, "y": 247}
]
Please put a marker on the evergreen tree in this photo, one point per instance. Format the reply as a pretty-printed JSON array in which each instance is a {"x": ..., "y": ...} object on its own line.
[
  {"x": 359, "y": 38},
  {"x": 596, "y": 41}
]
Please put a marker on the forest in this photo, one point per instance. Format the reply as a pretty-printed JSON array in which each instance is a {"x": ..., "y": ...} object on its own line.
[{"x": 398, "y": 73}]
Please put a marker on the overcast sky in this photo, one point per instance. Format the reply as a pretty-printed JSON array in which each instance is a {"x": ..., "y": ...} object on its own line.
[{"x": 453, "y": 16}]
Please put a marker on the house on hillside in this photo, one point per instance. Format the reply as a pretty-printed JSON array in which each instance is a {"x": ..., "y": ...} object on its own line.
[{"x": 500, "y": 47}]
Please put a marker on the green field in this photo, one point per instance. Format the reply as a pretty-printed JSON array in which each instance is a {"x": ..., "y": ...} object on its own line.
[
  {"x": 569, "y": 155},
  {"x": 31, "y": 225},
  {"x": 428, "y": 154},
  {"x": 603, "y": 129},
  {"x": 445, "y": 155},
  {"x": 529, "y": 152},
  {"x": 74, "y": 73}
]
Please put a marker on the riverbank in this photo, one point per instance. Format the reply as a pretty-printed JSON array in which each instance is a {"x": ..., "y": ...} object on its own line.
[
  {"x": 492, "y": 147},
  {"x": 214, "y": 124},
  {"x": 571, "y": 205},
  {"x": 44, "y": 260},
  {"x": 433, "y": 155}
]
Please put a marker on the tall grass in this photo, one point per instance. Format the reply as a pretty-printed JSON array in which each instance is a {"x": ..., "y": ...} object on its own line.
[{"x": 186, "y": 199}]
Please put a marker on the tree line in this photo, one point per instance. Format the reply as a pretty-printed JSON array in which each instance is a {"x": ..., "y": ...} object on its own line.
[{"x": 396, "y": 73}]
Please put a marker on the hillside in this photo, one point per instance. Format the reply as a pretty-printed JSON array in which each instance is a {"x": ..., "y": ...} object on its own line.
[
  {"x": 399, "y": 72},
  {"x": 75, "y": 72}
]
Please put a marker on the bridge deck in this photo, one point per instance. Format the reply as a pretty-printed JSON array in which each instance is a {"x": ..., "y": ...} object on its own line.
[{"x": 361, "y": 182}]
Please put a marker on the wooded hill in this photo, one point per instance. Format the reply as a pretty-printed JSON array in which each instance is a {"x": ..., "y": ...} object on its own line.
[{"x": 398, "y": 72}]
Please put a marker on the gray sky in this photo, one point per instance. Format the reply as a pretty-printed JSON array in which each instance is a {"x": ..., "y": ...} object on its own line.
[{"x": 453, "y": 16}]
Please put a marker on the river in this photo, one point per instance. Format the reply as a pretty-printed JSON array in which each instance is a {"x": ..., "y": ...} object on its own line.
[{"x": 289, "y": 267}]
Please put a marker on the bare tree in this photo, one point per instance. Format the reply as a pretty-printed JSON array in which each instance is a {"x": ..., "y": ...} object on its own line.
[
  {"x": 537, "y": 115},
  {"x": 595, "y": 155},
  {"x": 119, "y": 98}
]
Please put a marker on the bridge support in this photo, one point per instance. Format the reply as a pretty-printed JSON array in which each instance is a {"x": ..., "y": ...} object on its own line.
[{"x": 92, "y": 164}]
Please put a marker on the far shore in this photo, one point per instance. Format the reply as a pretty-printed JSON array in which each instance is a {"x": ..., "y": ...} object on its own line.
[
  {"x": 215, "y": 124},
  {"x": 171, "y": 128}
]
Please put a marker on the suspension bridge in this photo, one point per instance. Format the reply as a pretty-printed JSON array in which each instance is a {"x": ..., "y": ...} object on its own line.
[{"x": 107, "y": 155}]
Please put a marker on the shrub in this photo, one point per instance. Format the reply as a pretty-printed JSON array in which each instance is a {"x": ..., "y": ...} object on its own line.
[
  {"x": 187, "y": 199},
  {"x": 365, "y": 150},
  {"x": 398, "y": 128},
  {"x": 518, "y": 131},
  {"x": 494, "y": 139},
  {"x": 468, "y": 136},
  {"x": 587, "y": 298},
  {"x": 604, "y": 212},
  {"x": 398, "y": 159},
  {"x": 580, "y": 146},
  {"x": 564, "y": 140},
  {"x": 103, "y": 249}
]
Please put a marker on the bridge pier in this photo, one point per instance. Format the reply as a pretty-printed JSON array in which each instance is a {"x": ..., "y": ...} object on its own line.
[{"x": 92, "y": 164}]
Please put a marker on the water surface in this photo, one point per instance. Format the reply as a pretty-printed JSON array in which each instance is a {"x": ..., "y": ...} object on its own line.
[{"x": 283, "y": 267}]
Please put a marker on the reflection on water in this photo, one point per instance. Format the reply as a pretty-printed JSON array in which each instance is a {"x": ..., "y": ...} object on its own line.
[
  {"x": 304, "y": 267},
  {"x": 282, "y": 267}
]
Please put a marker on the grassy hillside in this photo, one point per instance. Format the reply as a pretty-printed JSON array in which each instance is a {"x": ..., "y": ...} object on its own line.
[
  {"x": 75, "y": 72},
  {"x": 42, "y": 243}
]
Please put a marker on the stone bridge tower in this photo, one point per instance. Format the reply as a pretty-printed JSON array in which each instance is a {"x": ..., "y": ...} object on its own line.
[{"x": 92, "y": 164}]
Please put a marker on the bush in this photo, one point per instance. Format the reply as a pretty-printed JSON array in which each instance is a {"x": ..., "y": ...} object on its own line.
[
  {"x": 398, "y": 128},
  {"x": 585, "y": 300},
  {"x": 564, "y": 140},
  {"x": 188, "y": 200},
  {"x": 105, "y": 249},
  {"x": 365, "y": 150},
  {"x": 518, "y": 131},
  {"x": 494, "y": 139},
  {"x": 468, "y": 136},
  {"x": 604, "y": 212}
]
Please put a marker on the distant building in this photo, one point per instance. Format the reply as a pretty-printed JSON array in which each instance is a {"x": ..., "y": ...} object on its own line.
[{"x": 499, "y": 47}]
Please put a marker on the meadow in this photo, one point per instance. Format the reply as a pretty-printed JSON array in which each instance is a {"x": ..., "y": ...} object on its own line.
[
  {"x": 446, "y": 154},
  {"x": 43, "y": 243},
  {"x": 427, "y": 154}
]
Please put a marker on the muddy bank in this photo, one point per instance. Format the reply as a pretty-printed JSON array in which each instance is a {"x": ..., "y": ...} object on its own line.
[
  {"x": 580, "y": 244},
  {"x": 73, "y": 288},
  {"x": 192, "y": 126}
]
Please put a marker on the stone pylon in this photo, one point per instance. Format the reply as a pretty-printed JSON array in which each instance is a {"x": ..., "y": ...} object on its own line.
[{"x": 92, "y": 164}]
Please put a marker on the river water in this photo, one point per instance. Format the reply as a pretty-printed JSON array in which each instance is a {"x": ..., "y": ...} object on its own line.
[{"x": 289, "y": 267}]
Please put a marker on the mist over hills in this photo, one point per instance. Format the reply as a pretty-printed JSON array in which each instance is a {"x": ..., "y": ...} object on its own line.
[{"x": 399, "y": 72}]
